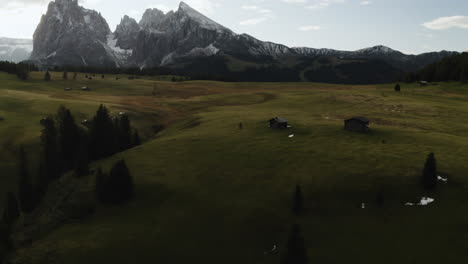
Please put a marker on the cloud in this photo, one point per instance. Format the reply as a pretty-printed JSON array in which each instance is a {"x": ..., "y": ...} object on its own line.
[
  {"x": 363, "y": 3},
  {"x": 319, "y": 4},
  {"x": 443, "y": 23},
  {"x": 295, "y": 1},
  {"x": 309, "y": 28},
  {"x": 256, "y": 9},
  {"x": 253, "y": 21}
]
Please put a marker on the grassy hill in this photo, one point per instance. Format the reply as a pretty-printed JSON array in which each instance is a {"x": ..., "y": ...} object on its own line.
[{"x": 208, "y": 192}]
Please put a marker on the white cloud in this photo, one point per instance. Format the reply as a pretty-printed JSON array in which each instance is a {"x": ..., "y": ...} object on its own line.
[
  {"x": 295, "y": 1},
  {"x": 365, "y": 3},
  {"x": 309, "y": 28},
  {"x": 443, "y": 23},
  {"x": 253, "y": 21},
  {"x": 319, "y": 4},
  {"x": 250, "y": 7}
]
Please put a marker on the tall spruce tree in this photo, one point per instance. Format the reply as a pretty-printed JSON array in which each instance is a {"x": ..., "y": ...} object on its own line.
[
  {"x": 429, "y": 177},
  {"x": 124, "y": 132},
  {"x": 82, "y": 157},
  {"x": 136, "y": 140},
  {"x": 26, "y": 191},
  {"x": 50, "y": 158},
  {"x": 47, "y": 76},
  {"x": 68, "y": 138},
  {"x": 296, "y": 252},
  {"x": 11, "y": 211},
  {"x": 102, "y": 135},
  {"x": 101, "y": 185},
  {"x": 298, "y": 206},
  {"x": 119, "y": 185}
]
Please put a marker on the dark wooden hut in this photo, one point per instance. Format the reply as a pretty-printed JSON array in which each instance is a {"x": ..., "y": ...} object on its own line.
[
  {"x": 278, "y": 123},
  {"x": 357, "y": 124}
]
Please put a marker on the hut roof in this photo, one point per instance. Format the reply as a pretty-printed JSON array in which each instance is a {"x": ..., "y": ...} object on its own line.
[
  {"x": 280, "y": 120},
  {"x": 360, "y": 119}
]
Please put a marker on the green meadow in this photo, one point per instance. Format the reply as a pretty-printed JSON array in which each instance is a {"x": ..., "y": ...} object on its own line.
[{"x": 209, "y": 192}]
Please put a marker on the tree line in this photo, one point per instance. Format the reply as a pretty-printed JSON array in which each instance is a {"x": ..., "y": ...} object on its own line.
[
  {"x": 19, "y": 69},
  {"x": 453, "y": 68}
]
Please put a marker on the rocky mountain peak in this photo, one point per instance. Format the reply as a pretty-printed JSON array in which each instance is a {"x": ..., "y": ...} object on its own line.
[
  {"x": 152, "y": 18},
  {"x": 69, "y": 34},
  {"x": 186, "y": 11}
]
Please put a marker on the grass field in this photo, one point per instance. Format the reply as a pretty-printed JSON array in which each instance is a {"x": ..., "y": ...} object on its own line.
[{"x": 208, "y": 192}]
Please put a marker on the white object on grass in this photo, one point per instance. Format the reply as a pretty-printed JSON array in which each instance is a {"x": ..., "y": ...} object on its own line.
[
  {"x": 363, "y": 206},
  {"x": 442, "y": 179},
  {"x": 426, "y": 201},
  {"x": 291, "y": 136},
  {"x": 409, "y": 204}
]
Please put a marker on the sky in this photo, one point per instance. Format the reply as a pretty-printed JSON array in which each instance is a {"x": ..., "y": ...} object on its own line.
[{"x": 411, "y": 26}]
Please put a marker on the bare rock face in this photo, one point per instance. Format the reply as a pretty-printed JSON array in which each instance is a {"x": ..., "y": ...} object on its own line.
[
  {"x": 126, "y": 33},
  {"x": 69, "y": 34}
]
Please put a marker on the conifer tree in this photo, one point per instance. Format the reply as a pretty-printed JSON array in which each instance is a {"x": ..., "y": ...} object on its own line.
[
  {"x": 101, "y": 185},
  {"x": 296, "y": 252},
  {"x": 136, "y": 139},
  {"x": 429, "y": 177},
  {"x": 118, "y": 187},
  {"x": 11, "y": 210},
  {"x": 124, "y": 132},
  {"x": 50, "y": 158},
  {"x": 298, "y": 206},
  {"x": 26, "y": 190},
  {"x": 102, "y": 135},
  {"x": 47, "y": 76},
  {"x": 68, "y": 138}
]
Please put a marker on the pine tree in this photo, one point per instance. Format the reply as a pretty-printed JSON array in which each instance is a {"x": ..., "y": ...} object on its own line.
[
  {"x": 429, "y": 177},
  {"x": 119, "y": 185},
  {"x": 68, "y": 138},
  {"x": 101, "y": 185},
  {"x": 102, "y": 135},
  {"x": 82, "y": 158},
  {"x": 47, "y": 76},
  {"x": 397, "y": 88},
  {"x": 380, "y": 199},
  {"x": 296, "y": 251},
  {"x": 136, "y": 139},
  {"x": 298, "y": 207},
  {"x": 26, "y": 190},
  {"x": 50, "y": 156},
  {"x": 124, "y": 132},
  {"x": 11, "y": 210},
  {"x": 65, "y": 75}
]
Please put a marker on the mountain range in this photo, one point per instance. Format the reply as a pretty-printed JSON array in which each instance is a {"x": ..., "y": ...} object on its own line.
[
  {"x": 15, "y": 50},
  {"x": 185, "y": 39}
]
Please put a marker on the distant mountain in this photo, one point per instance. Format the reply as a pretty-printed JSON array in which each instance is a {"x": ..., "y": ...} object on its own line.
[
  {"x": 15, "y": 50},
  {"x": 69, "y": 34}
]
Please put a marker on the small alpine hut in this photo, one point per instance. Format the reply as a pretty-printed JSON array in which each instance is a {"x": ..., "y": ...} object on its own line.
[
  {"x": 278, "y": 123},
  {"x": 423, "y": 83},
  {"x": 357, "y": 124}
]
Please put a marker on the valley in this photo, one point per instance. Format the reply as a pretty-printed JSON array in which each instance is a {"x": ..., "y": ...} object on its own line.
[{"x": 209, "y": 192}]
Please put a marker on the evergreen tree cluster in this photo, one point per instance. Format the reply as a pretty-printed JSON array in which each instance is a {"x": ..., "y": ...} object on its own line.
[
  {"x": 453, "y": 68},
  {"x": 117, "y": 186},
  {"x": 67, "y": 146},
  {"x": 19, "y": 69}
]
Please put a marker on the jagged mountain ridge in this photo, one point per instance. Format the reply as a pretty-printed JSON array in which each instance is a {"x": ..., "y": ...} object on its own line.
[{"x": 72, "y": 35}]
